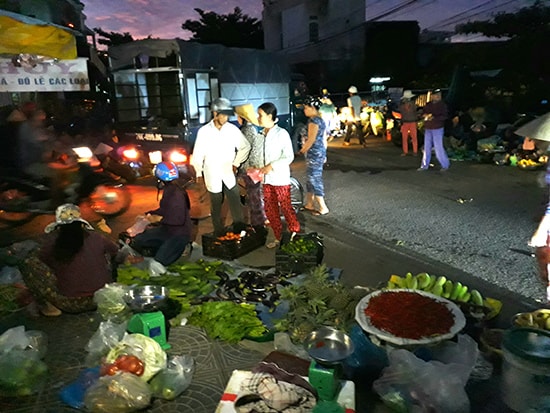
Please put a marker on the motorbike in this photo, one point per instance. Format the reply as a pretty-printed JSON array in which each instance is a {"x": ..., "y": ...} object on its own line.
[
  {"x": 22, "y": 197},
  {"x": 132, "y": 162}
]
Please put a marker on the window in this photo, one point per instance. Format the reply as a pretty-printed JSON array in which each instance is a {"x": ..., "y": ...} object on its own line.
[{"x": 313, "y": 29}]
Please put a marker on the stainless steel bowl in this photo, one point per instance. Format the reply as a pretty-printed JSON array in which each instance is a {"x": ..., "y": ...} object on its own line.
[
  {"x": 147, "y": 298},
  {"x": 328, "y": 345}
]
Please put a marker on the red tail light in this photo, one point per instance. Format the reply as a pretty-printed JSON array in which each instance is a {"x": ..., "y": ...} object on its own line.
[{"x": 178, "y": 156}]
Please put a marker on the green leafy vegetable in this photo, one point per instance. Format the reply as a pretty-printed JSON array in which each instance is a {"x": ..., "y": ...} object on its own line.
[{"x": 228, "y": 321}]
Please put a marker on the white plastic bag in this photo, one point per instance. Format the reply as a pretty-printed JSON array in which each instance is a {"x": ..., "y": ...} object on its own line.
[
  {"x": 104, "y": 339},
  {"x": 411, "y": 384},
  {"x": 174, "y": 379},
  {"x": 139, "y": 226},
  {"x": 121, "y": 393}
]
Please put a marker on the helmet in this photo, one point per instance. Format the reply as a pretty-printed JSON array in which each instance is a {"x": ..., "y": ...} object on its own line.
[
  {"x": 313, "y": 102},
  {"x": 166, "y": 171},
  {"x": 222, "y": 105},
  {"x": 352, "y": 89}
]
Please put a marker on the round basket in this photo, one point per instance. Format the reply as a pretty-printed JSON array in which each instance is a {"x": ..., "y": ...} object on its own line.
[{"x": 366, "y": 324}]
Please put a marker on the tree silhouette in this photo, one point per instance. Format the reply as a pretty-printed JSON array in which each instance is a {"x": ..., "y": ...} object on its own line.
[
  {"x": 113, "y": 38},
  {"x": 528, "y": 30},
  {"x": 233, "y": 30}
]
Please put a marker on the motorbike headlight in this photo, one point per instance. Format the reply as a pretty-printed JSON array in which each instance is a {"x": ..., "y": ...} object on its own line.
[
  {"x": 84, "y": 153},
  {"x": 155, "y": 157},
  {"x": 130, "y": 153},
  {"x": 178, "y": 156}
]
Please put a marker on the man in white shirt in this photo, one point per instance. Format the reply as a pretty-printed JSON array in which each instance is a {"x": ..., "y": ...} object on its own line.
[{"x": 219, "y": 150}]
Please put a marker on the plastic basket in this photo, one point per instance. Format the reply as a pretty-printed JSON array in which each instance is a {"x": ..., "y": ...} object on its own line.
[
  {"x": 212, "y": 246},
  {"x": 299, "y": 263}
]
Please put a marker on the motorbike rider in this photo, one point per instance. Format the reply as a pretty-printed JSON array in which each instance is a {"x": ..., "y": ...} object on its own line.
[{"x": 174, "y": 232}]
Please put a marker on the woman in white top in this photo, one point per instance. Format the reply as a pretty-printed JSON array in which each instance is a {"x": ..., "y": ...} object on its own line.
[{"x": 278, "y": 155}]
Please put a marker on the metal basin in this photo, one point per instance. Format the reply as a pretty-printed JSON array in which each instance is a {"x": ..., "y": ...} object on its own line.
[
  {"x": 147, "y": 298},
  {"x": 328, "y": 345}
]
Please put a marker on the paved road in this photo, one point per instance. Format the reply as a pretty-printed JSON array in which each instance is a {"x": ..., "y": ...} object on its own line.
[{"x": 387, "y": 218}]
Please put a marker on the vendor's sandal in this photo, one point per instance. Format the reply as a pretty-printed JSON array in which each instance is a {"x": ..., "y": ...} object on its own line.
[
  {"x": 319, "y": 213},
  {"x": 273, "y": 244},
  {"x": 49, "y": 310},
  {"x": 306, "y": 208}
]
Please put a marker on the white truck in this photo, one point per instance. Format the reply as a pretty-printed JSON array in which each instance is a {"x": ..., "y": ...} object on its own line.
[{"x": 162, "y": 88}]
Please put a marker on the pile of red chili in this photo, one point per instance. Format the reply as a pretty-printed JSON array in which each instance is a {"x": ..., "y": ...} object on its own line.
[{"x": 409, "y": 315}]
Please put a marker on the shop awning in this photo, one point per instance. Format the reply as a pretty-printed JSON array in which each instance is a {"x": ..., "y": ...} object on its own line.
[{"x": 22, "y": 34}]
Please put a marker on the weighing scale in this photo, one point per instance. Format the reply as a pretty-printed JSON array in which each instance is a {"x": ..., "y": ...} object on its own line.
[
  {"x": 152, "y": 325},
  {"x": 328, "y": 347},
  {"x": 148, "y": 320}
]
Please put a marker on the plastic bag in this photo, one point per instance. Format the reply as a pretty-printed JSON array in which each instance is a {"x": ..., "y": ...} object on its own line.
[
  {"x": 410, "y": 384},
  {"x": 139, "y": 226},
  {"x": 10, "y": 275},
  {"x": 73, "y": 393},
  {"x": 104, "y": 339},
  {"x": 144, "y": 348},
  {"x": 174, "y": 379},
  {"x": 121, "y": 393},
  {"x": 110, "y": 303},
  {"x": 14, "y": 338},
  {"x": 22, "y": 370},
  {"x": 155, "y": 268}
]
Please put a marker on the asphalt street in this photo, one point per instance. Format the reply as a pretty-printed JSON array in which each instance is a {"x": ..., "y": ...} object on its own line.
[{"x": 386, "y": 218}]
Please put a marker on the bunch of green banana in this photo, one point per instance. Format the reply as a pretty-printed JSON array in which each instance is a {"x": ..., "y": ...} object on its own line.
[
  {"x": 437, "y": 285},
  {"x": 535, "y": 319}
]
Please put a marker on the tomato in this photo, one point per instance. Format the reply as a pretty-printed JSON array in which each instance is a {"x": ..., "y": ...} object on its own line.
[
  {"x": 130, "y": 364},
  {"x": 108, "y": 370}
]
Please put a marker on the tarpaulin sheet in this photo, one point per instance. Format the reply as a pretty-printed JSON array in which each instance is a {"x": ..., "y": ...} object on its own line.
[
  {"x": 21, "y": 34},
  {"x": 234, "y": 65}
]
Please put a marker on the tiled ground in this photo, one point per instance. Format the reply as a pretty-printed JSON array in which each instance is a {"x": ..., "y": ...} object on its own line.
[{"x": 69, "y": 334}]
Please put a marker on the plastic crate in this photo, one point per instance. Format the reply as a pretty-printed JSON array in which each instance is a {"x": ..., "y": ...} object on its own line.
[
  {"x": 299, "y": 263},
  {"x": 212, "y": 246}
]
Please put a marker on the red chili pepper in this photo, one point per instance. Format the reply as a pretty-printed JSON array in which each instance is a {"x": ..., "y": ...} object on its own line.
[
  {"x": 320, "y": 344},
  {"x": 409, "y": 315}
]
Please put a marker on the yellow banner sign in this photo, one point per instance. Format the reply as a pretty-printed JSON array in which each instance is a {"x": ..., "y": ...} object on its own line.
[{"x": 39, "y": 39}]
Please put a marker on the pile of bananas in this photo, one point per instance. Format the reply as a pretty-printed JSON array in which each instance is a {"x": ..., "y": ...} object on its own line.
[
  {"x": 437, "y": 285},
  {"x": 528, "y": 163},
  {"x": 535, "y": 319}
]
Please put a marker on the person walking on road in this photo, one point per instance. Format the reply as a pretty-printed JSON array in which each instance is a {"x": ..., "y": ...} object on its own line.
[
  {"x": 219, "y": 150},
  {"x": 435, "y": 114},
  {"x": 278, "y": 155},
  {"x": 315, "y": 152},
  {"x": 353, "y": 123},
  {"x": 247, "y": 118},
  {"x": 407, "y": 109}
]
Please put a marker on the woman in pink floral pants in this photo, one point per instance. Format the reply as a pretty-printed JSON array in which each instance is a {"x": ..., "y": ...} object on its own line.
[{"x": 278, "y": 155}]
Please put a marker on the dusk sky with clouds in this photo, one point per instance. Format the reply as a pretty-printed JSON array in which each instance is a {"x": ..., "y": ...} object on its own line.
[
  {"x": 163, "y": 18},
  {"x": 158, "y": 18}
]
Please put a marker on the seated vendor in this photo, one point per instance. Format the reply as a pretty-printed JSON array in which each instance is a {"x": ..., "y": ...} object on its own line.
[{"x": 72, "y": 264}]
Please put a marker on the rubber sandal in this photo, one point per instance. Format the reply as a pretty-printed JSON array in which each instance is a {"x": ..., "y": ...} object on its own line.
[
  {"x": 304, "y": 208},
  {"x": 49, "y": 310},
  {"x": 272, "y": 244},
  {"x": 319, "y": 213}
]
